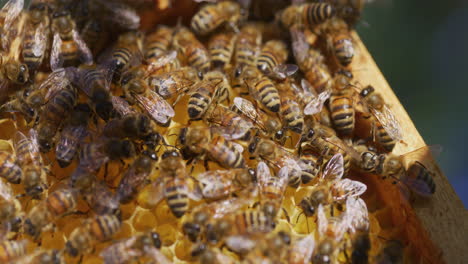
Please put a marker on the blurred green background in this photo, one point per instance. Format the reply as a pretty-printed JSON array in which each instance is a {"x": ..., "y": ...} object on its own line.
[{"x": 422, "y": 49}]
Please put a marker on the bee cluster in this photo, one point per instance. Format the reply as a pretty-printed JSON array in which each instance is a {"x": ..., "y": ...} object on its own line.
[{"x": 240, "y": 138}]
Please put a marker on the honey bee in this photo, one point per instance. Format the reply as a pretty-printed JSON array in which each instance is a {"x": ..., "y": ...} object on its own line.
[
  {"x": 42, "y": 256},
  {"x": 264, "y": 91},
  {"x": 342, "y": 105},
  {"x": 276, "y": 157},
  {"x": 339, "y": 40},
  {"x": 174, "y": 83},
  {"x": 131, "y": 249},
  {"x": 313, "y": 102},
  {"x": 272, "y": 54},
  {"x": 308, "y": 15},
  {"x": 98, "y": 196},
  {"x": 205, "y": 141},
  {"x": 18, "y": 104},
  {"x": 95, "y": 35},
  {"x": 212, "y": 16},
  {"x": 229, "y": 123},
  {"x": 331, "y": 232},
  {"x": 37, "y": 36},
  {"x": 9, "y": 168},
  {"x": 158, "y": 42},
  {"x": 98, "y": 229},
  {"x": 126, "y": 53},
  {"x": 311, "y": 163},
  {"x": 30, "y": 161},
  {"x": 387, "y": 130},
  {"x": 9, "y": 13},
  {"x": 290, "y": 110},
  {"x": 136, "y": 90},
  {"x": 271, "y": 188},
  {"x": 216, "y": 184},
  {"x": 94, "y": 81},
  {"x": 311, "y": 62},
  {"x": 209, "y": 255},
  {"x": 72, "y": 135},
  {"x": 247, "y": 48},
  {"x": 368, "y": 158},
  {"x": 57, "y": 204},
  {"x": 67, "y": 46},
  {"x": 358, "y": 222},
  {"x": 221, "y": 48},
  {"x": 120, "y": 14},
  {"x": 332, "y": 188},
  {"x": 301, "y": 250},
  {"x": 134, "y": 126},
  {"x": 12, "y": 250},
  {"x": 194, "y": 52},
  {"x": 349, "y": 10},
  {"x": 173, "y": 184},
  {"x": 53, "y": 113},
  {"x": 269, "y": 126},
  {"x": 11, "y": 215},
  {"x": 135, "y": 177}
]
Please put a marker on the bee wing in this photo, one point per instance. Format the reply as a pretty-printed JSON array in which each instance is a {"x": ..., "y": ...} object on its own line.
[
  {"x": 86, "y": 55},
  {"x": 283, "y": 71},
  {"x": 345, "y": 188},
  {"x": 238, "y": 147},
  {"x": 71, "y": 136},
  {"x": 357, "y": 214},
  {"x": 322, "y": 220},
  {"x": 239, "y": 243},
  {"x": 34, "y": 146},
  {"x": 56, "y": 59},
  {"x": 211, "y": 181},
  {"x": 419, "y": 179},
  {"x": 40, "y": 40},
  {"x": 299, "y": 44},
  {"x": 5, "y": 191},
  {"x": 389, "y": 122},
  {"x": 263, "y": 174},
  {"x": 315, "y": 106},
  {"x": 235, "y": 132},
  {"x": 12, "y": 9},
  {"x": 121, "y": 14},
  {"x": 56, "y": 81},
  {"x": 103, "y": 200},
  {"x": 121, "y": 106},
  {"x": 157, "y": 255},
  {"x": 108, "y": 254},
  {"x": 158, "y": 108},
  {"x": 302, "y": 250},
  {"x": 334, "y": 168},
  {"x": 249, "y": 110},
  {"x": 161, "y": 61},
  {"x": 283, "y": 175}
]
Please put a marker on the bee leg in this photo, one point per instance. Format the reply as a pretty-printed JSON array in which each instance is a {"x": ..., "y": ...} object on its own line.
[
  {"x": 205, "y": 164},
  {"x": 285, "y": 213}
]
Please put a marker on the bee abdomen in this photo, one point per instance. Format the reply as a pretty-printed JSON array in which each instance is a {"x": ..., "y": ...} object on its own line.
[
  {"x": 10, "y": 250},
  {"x": 342, "y": 113},
  {"x": 197, "y": 105},
  {"x": 205, "y": 20},
  {"x": 293, "y": 115},
  {"x": 122, "y": 57},
  {"x": 269, "y": 95},
  {"x": 60, "y": 202},
  {"x": 104, "y": 227},
  {"x": 177, "y": 199},
  {"x": 12, "y": 174},
  {"x": 199, "y": 59},
  {"x": 344, "y": 49},
  {"x": 387, "y": 142},
  {"x": 267, "y": 61},
  {"x": 317, "y": 13},
  {"x": 223, "y": 152}
]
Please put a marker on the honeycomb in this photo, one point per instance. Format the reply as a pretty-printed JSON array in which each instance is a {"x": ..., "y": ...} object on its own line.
[{"x": 389, "y": 212}]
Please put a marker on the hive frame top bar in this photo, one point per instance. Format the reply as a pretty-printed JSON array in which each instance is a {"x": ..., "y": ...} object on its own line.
[{"x": 444, "y": 216}]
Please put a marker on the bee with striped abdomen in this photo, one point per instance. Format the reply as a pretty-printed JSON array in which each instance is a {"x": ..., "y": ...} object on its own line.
[
  {"x": 158, "y": 42},
  {"x": 126, "y": 53},
  {"x": 263, "y": 90},
  {"x": 271, "y": 188},
  {"x": 272, "y": 54},
  {"x": 191, "y": 50},
  {"x": 42, "y": 256},
  {"x": 68, "y": 48},
  {"x": 229, "y": 123},
  {"x": 342, "y": 105},
  {"x": 95, "y": 35},
  {"x": 221, "y": 48},
  {"x": 290, "y": 111},
  {"x": 212, "y": 16},
  {"x": 133, "y": 126},
  {"x": 339, "y": 40},
  {"x": 308, "y": 14},
  {"x": 175, "y": 83},
  {"x": 216, "y": 184},
  {"x": 98, "y": 229},
  {"x": 11, "y": 250},
  {"x": 247, "y": 48},
  {"x": 9, "y": 167},
  {"x": 130, "y": 249},
  {"x": 11, "y": 213}
]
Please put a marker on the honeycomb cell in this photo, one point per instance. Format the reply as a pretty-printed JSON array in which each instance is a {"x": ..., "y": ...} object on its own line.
[
  {"x": 143, "y": 220},
  {"x": 125, "y": 231},
  {"x": 183, "y": 249},
  {"x": 127, "y": 210},
  {"x": 53, "y": 239},
  {"x": 164, "y": 215},
  {"x": 168, "y": 234}
]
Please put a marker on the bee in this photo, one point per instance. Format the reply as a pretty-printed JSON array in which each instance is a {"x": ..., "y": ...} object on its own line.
[
  {"x": 216, "y": 184},
  {"x": 271, "y": 188},
  {"x": 194, "y": 52},
  {"x": 37, "y": 36},
  {"x": 57, "y": 204},
  {"x": 98, "y": 229},
  {"x": 264, "y": 91},
  {"x": 290, "y": 110},
  {"x": 301, "y": 250},
  {"x": 213, "y": 89},
  {"x": 276, "y": 157},
  {"x": 9, "y": 167},
  {"x": 386, "y": 128},
  {"x": 127, "y": 52},
  {"x": 368, "y": 158},
  {"x": 209, "y": 255},
  {"x": 413, "y": 174},
  {"x": 42, "y": 256},
  {"x": 204, "y": 141},
  {"x": 94, "y": 81},
  {"x": 311, "y": 62},
  {"x": 9, "y": 13},
  {"x": 331, "y": 232},
  {"x": 308, "y": 15},
  {"x": 172, "y": 184},
  {"x": 272, "y": 54},
  {"x": 30, "y": 161},
  {"x": 130, "y": 249},
  {"x": 342, "y": 107},
  {"x": 349, "y": 10},
  {"x": 269, "y": 126},
  {"x": 95, "y": 35},
  {"x": 134, "y": 126},
  {"x": 138, "y": 91},
  {"x": 174, "y": 83},
  {"x": 331, "y": 188},
  {"x": 18, "y": 104},
  {"x": 359, "y": 230},
  {"x": 158, "y": 42},
  {"x": 12, "y": 250},
  {"x": 136, "y": 176},
  {"x": 72, "y": 135},
  {"x": 221, "y": 48},
  {"x": 391, "y": 252},
  {"x": 53, "y": 113},
  {"x": 229, "y": 123},
  {"x": 11, "y": 216},
  {"x": 247, "y": 48},
  {"x": 67, "y": 45},
  {"x": 339, "y": 40},
  {"x": 311, "y": 163},
  {"x": 212, "y": 16}
]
